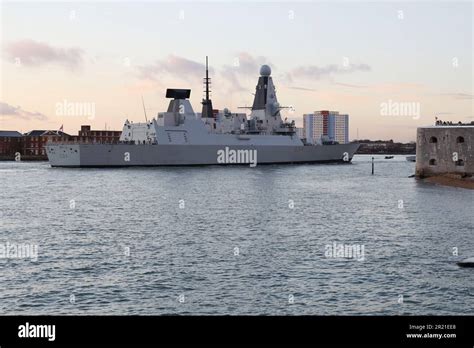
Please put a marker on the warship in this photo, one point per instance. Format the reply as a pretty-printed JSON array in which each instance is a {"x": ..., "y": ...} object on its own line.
[{"x": 181, "y": 137}]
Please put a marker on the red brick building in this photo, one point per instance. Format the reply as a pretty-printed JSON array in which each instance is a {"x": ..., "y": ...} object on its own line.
[
  {"x": 10, "y": 143},
  {"x": 86, "y": 135},
  {"x": 33, "y": 142}
]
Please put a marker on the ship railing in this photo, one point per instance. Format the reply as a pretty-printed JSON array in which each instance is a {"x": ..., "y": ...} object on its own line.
[
  {"x": 129, "y": 142},
  {"x": 72, "y": 142}
]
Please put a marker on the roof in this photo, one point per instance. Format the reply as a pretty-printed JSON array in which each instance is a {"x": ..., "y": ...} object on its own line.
[
  {"x": 11, "y": 134},
  {"x": 53, "y": 132},
  {"x": 37, "y": 133}
]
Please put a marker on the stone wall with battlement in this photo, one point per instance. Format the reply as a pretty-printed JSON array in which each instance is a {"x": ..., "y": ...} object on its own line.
[{"x": 445, "y": 149}]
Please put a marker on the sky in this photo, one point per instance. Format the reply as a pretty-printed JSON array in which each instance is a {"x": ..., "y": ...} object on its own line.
[{"x": 413, "y": 59}]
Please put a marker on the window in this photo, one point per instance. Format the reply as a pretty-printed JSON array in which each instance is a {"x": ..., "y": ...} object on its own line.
[
  {"x": 460, "y": 140},
  {"x": 432, "y": 162},
  {"x": 433, "y": 140},
  {"x": 459, "y": 162}
]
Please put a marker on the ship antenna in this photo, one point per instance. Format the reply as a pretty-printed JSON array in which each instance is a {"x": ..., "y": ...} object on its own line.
[
  {"x": 144, "y": 110},
  {"x": 207, "y": 80}
]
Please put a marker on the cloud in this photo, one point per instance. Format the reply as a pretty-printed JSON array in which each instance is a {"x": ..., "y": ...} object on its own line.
[
  {"x": 459, "y": 95},
  {"x": 237, "y": 78},
  {"x": 244, "y": 65},
  {"x": 315, "y": 72},
  {"x": 302, "y": 89},
  {"x": 172, "y": 65},
  {"x": 349, "y": 85},
  {"x": 33, "y": 53},
  {"x": 230, "y": 76},
  {"x": 18, "y": 112}
]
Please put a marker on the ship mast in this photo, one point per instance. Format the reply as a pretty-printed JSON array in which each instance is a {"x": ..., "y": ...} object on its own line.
[
  {"x": 207, "y": 103},
  {"x": 207, "y": 80}
]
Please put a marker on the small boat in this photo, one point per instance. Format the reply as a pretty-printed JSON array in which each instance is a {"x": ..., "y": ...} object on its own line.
[
  {"x": 411, "y": 158},
  {"x": 388, "y": 157},
  {"x": 469, "y": 262}
]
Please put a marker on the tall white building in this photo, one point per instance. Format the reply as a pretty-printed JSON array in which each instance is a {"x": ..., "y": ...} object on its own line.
[
  {"x": 300, "y": 132},
  {"x": 326, "y": 126}
]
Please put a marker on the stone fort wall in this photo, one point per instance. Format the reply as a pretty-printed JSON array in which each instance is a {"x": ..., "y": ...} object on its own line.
[{"x": 445, "y": 150}]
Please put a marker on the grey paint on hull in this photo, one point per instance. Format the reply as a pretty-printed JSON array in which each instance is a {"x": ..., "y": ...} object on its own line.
[{"x": 124, "y": 155}]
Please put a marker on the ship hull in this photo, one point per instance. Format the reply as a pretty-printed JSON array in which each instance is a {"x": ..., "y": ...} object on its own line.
[{"x": 127, "y": 155}]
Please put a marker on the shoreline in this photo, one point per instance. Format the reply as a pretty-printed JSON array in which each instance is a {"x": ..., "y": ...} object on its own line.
[{"x": 452, "y": 180}]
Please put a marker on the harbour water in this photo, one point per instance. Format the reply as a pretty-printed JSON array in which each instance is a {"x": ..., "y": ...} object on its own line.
[{"x": 234, "y": 240}]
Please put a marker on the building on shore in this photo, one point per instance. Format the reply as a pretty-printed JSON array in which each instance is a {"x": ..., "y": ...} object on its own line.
[
  {"x": 300, "y": 132},
  {"x": 326, "y": 126},
  {"x": 33, "y": 142},
  {"x": 385, "y": 147},
  {"x": 445, "y": 149},
  {"x": 31, "y": 145},
  {"x": 86, "y": 135},
  {"x": 10, "y": 143}
]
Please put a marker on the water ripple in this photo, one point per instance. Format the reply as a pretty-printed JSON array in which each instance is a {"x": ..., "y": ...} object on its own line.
[{"x": 221, "y": 240}]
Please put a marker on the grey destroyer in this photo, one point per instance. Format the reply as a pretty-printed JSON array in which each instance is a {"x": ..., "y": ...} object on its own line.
[{"x": 181, "y": 137}]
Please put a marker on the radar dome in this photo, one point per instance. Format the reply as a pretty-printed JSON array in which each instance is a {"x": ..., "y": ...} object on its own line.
[{"x": 265, "y": 70}]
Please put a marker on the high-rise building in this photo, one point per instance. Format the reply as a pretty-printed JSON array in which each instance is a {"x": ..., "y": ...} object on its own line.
[
  {"x": 322, "y": 126},
  {"x": 300, "y": 132}
]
